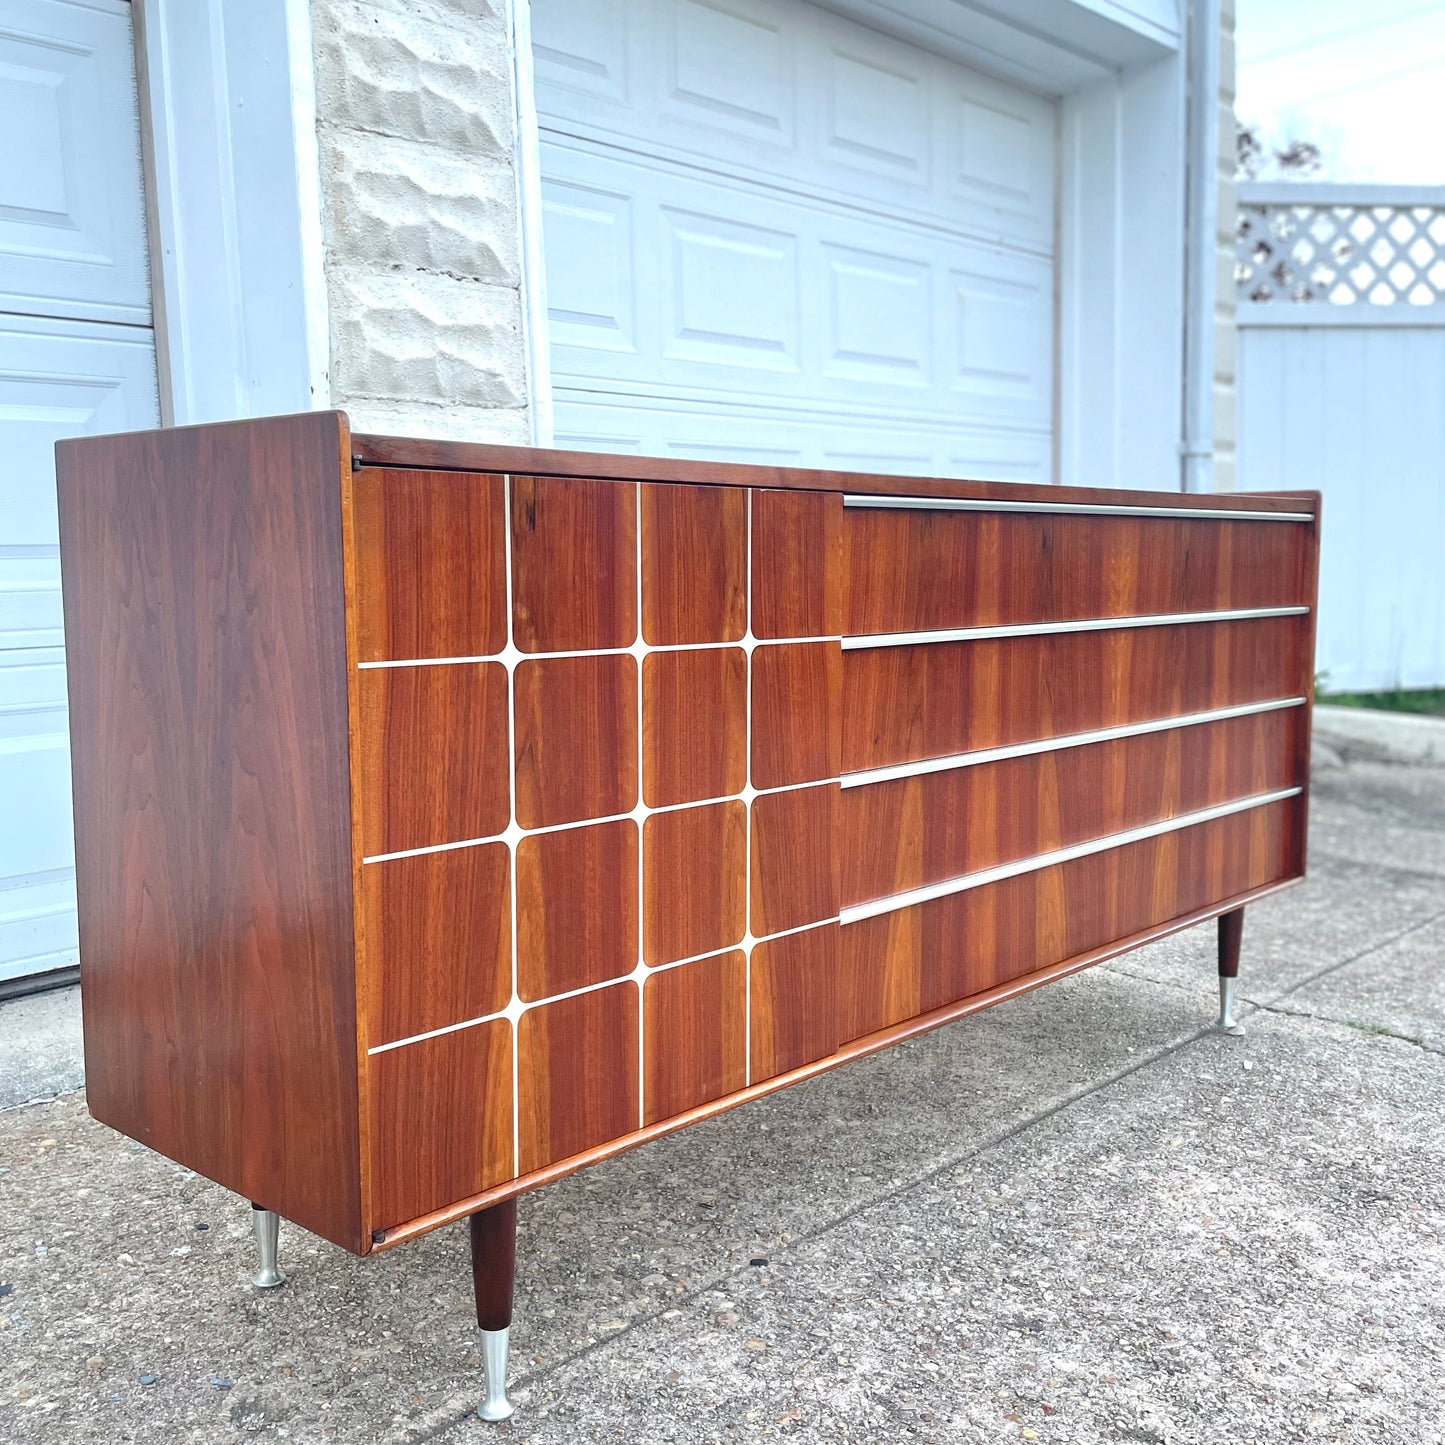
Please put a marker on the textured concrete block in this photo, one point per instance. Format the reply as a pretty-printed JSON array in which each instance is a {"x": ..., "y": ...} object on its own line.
[
  {"x": 437, "y": 72},
  {"x": 393, "y": 204},
  {"x": 501, "y": 426},
  {"x": 425, "y": 338},
  {"x": 416, "y": 120}
]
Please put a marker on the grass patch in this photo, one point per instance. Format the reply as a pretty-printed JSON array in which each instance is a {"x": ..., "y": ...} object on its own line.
[{"x": 1429, "y": 700}]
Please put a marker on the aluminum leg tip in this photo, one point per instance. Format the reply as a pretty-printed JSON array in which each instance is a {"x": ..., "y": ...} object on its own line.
[
  {"x": 1228, "y": 1024},
  {"x": 268, "y": 1230},
  {"x": 495, "y": 1406}
]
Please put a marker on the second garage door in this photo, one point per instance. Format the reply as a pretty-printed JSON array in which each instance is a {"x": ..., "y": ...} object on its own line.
[{"x": 773, "y": 234}]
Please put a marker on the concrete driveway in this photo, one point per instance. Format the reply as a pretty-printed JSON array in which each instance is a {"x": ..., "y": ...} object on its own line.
[{"x": 1079, "y": 1217}]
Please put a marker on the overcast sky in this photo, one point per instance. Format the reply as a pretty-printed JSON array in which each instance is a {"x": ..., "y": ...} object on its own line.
[{"x": 1364, "y": 81}]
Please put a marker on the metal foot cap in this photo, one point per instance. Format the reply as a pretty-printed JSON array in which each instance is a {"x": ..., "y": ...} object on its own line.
[
  {"x": 496, "y": 1406},
  {"x": 268, "y": 1229},
  {"x": 1228, "y": 1024}
]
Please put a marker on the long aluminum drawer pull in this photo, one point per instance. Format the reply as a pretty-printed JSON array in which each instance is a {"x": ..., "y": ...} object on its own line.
[
  {"x": 1067, "y": 509},
  {"x": 894, "y": 901},
  {"x": 950, "y": 761},
  {"x": 862, "y": 641}
]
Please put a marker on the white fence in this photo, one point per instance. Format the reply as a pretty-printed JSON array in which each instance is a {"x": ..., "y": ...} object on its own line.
[{"x": 1341, "y": 294}]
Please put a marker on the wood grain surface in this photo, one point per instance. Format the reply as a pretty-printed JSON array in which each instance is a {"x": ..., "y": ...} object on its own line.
[
  {"x": 926, "y": 956},
  {"x": 695, "y": 868},
  {"x": 578, "y": 1065},
  {"x": 433, "y": 755},
  {"x": 214, "y": 630},
  {"x": 576, "y": 738},
  {"x": 794, "y": 1000},
  {"x": 694, "y": 564},
  {"x": 695, "y": 1020},
  {"x": 694, "y": 725},
  {"x": 430, "y": 564},
  {"x": 441, "y": 1120},
  {"x": 797, "y": 564},
  {"x": 905, "y": 570},
  {"x": 438, "y": 931},
  {"x": 576, "y": 908},
  {"x": 574, "y": 564},
  {"x": 933, "y": 699},
  {"x": 797, "y": 713},
  {"x": 205, "y": 631},
  {"x": 907, "y": 832},
  {"x": 796, "y": 844}
]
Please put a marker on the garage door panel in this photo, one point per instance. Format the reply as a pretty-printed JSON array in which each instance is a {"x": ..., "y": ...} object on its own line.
[
  {"x": 773, "y": 234},
  {"x": 581, "y": 46},
  {"x": 37, "y": 875},
  {"x": 729, "y": 65},
  {"x": 877, "y": 113},
  {"x": 62, "y": 379},
  {"x": 700, "y": 426},
  {"x": 880, "y": 310},
  {"x": 71, "y": 215},
  {"x": 590, "y": 266},
  {"x": 1001, "y": 144},
  {"x": 813, "y": 303},
  {"x": 58, "y": 379},
  {"x": 1000, "y": 344},
  {"x": 729, "y": 292},
  {"x": 791, "y": 94}
]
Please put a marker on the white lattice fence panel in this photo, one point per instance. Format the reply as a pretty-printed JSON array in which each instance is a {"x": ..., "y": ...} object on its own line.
[{"x": 1373, "y": 251}]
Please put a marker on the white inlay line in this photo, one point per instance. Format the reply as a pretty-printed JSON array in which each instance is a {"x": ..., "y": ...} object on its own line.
[
  {"x": 1048, "y": 629},
  {"x": 894, "y": 901},
  {"x": 638, "y": 813},
  {"x": 552, "y": 656},
  {"x": 948, "y": 763},
  {"x": 639, "y": 973},
  {"x": 1068, "y": 509}
]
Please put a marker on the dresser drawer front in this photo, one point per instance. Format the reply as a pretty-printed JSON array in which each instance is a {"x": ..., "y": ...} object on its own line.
[
  {"x": 916, "y": 568},
  {"x": 929, "y": 699},
  {"x": 777, "y": 773}
]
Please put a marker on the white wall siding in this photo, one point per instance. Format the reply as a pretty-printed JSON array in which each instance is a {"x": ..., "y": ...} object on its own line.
[
  {"x": 1358, "y": 411},
  {"x": 415, "y": 117}
]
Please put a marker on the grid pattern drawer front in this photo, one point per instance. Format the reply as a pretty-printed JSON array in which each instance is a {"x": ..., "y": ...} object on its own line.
[
  {"x": 718, "y": 799},
  {"x": 667, "y": 819},
  {"x": 431, "y": 559}
]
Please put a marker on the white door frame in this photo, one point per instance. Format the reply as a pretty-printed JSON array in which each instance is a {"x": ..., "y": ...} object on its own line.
[
  {"x": 240, "y": 288},
  {"x": 233, "y": 199}
]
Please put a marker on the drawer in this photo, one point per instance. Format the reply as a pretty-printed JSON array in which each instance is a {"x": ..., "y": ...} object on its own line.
[
  {"x": 906, "y": 569},
  {"x": 933, "y": 699},
  {"x": 903, "y": 833},
  {"x": 924, "y": 956}
]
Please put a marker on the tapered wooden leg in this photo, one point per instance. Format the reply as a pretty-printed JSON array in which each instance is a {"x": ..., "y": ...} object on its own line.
[
  {"x": 494, "y": 1271},
  {"x": 1231, "y": 932}
]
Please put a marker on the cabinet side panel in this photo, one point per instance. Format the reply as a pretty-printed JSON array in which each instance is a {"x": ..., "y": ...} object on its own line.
[{"x": 205, "y": 627}]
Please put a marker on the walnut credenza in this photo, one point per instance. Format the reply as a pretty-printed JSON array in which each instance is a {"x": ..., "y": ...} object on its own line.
[{"x": 449, "y": 817}]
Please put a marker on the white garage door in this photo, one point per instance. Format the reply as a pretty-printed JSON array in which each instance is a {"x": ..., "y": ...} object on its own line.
[
  {"x": 77, "y": 355},
  {"x": 773, "y": 234}
]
